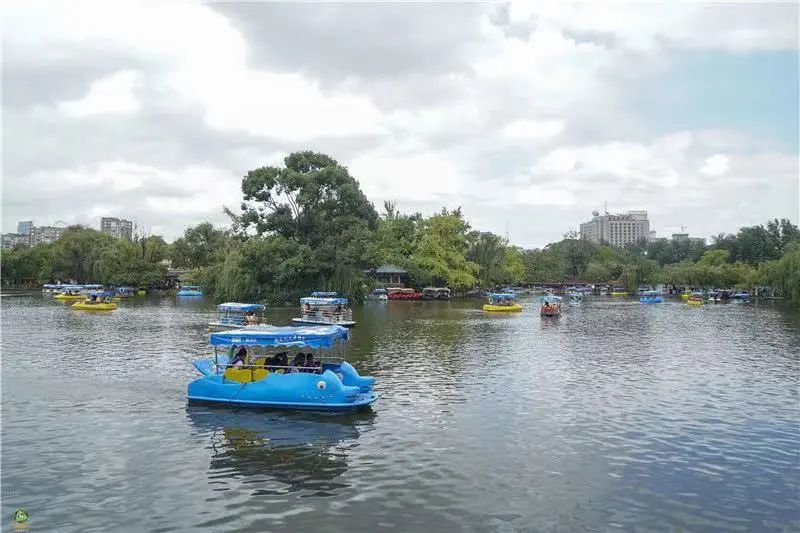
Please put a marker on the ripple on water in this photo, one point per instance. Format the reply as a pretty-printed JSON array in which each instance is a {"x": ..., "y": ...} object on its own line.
[{"x": 617, "y": 415}]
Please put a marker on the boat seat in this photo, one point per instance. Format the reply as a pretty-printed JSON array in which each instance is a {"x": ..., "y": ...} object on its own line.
[{"x": 245, "y": 375}]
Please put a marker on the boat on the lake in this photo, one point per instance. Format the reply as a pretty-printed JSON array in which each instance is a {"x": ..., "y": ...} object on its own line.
[
  {"x": 551, "y": 305},
  {"x": 234, "y": 315},
  {"x": 70, "y": 292},
  {"x": 325, "y": 308},
  {"x": 435, "y": 293},
  {"x": 714, "y": 296},
  {"x": 502, "y": 302},
  {"x": 695, "y": 299},
  {"x": 402, "y": 293},
  {"x": 741, "y": 296},
  {"x": 124, "y": 292},
  {"x": 257, "y": 379},
  {"x": 96, "y": 301},
  {"x": 650, "y": 297},
  {"x": 619, "y": 291},
  {"x": 575, "y": 298},
  {"x": 189, "y": 290},
  {"x": 378, "y": 294}
]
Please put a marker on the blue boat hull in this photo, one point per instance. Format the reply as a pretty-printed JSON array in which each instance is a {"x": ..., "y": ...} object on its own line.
[
  {"x": 338, "y": 388},
  {"x": 656, "y": 300},
  {"x": 189, "y": 293}
]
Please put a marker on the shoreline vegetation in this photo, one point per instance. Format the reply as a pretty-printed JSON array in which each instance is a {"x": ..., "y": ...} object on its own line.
[{"x": 307, "y": 226}]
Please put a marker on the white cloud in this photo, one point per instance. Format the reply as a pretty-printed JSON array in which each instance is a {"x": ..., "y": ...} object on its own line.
[
  {"x": 716, "y": 165},
  {"x": 107, "y": 96}
]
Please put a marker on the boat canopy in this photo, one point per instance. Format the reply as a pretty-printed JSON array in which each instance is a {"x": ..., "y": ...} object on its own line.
[
  {"x": 549, "y": 298},
  {"x": 322, "y": 294},
  {"x": 697, "y": 293},
  {"x": 190, "y": 287},
  {"x": 94, "y": 286},
  {"x": 379, "y": 291},
  {"x": 124, "y": 289},
  {"x": 501, "y": 295},
  {"x": 311, "y": 336},
  {"x": 101, "y": 294},
  {"x": 651, "y": 293},
  {"x": 70, "y": 287},
  {"x": 323, "y": 301},
  {"x": 239, "y": 307}
]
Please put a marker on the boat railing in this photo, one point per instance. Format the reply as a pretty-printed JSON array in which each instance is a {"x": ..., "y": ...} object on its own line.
[{"x": 327, "y": 314}]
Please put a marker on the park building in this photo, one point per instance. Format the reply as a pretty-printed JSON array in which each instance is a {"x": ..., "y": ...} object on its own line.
[
  {"x": 117, "y": 227},
  {"x": 617, "y": 230}
]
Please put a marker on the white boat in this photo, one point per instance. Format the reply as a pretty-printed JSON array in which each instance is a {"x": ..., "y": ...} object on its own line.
[{"x": 323, "y": 308}]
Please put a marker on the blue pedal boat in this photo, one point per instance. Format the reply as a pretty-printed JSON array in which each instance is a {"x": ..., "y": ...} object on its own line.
[
  {"x": 333, "y": 386},
  {"x": 235, "y": 315},
  {"x": 650, "y": 297},
  {"x": 189, "y": 290}
]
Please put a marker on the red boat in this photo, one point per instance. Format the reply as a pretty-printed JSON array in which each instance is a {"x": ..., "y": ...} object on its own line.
[{"x": 397, "y": 293}]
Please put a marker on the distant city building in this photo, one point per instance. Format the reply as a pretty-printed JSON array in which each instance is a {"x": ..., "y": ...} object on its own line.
[
  {"x": 24, "y": 227},
  {"x": 45, "y": 234},
  {"x": 617, "y": 230},
  {"x": 117, "y": 227},
  {"x": 13, "y": 240}
]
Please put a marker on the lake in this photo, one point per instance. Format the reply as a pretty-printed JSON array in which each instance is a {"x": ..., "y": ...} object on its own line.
[{"x": 617, "y": 416}]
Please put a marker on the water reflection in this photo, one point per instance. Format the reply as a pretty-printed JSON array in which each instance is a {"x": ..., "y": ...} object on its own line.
[{"x": 278, "y": 452}]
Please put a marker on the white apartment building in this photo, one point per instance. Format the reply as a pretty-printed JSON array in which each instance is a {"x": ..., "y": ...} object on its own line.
[{"x": 617, "y": 230}]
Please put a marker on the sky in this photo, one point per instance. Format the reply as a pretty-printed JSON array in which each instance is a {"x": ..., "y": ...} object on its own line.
[{"x": 527, "y": 116}]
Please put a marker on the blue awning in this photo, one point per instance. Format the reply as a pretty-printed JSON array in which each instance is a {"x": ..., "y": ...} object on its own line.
[
  {"x": 321, "y": 294},
  {"x": 239, "y": 307},
  {"x": 101, "y": 294},
  {"x": 311, "y": 336},
  {"x": 323, "y": 301},
  {"x": 499, "y": 295}
]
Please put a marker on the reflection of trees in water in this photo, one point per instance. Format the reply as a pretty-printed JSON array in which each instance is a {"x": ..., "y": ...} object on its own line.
[{"x": 299, "y": 451}]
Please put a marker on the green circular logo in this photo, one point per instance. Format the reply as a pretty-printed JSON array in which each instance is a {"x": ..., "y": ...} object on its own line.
[{"x": 21, "y": 516}]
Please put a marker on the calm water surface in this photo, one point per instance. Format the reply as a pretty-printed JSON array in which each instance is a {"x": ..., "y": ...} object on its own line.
[{"x": 618, "y": 416}]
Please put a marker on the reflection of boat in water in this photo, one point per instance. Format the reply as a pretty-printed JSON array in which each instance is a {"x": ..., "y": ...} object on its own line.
[{"x": 306, "y": 452}]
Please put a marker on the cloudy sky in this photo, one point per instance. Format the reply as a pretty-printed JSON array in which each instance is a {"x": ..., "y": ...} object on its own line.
[{"x": 527, "y": 117}]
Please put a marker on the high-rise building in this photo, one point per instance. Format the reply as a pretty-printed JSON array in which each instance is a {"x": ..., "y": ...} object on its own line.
[
  {"x": 617, "y": 230},
  {"x": 117, "y": 227},
  {"x": 24, "y": 227},
  {"x": 45, "y": 234}
]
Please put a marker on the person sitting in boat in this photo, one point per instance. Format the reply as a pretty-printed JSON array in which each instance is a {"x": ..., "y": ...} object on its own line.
[
  {"x": 298, "y": 362},
  {"x": 314, "y": 367},
  {"x": 251, "y": 318},
  {"x": 240, "y": 359}
]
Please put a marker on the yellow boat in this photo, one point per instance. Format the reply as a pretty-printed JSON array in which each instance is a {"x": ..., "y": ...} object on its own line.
[
  {"x": 502, "y": 302},
  {"x": 101, "y": 306},
  {"x": 619, "y": 293},
  {"x": 686, "y": 296},
  {"x": 502, "y": 308},
  {"x": 63, "y": 296},
  {"x": 694, "y": 302},
  {"x": 141, "y": 293}
]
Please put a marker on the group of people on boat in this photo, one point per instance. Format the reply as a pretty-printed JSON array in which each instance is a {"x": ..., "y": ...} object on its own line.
[{"x": 279, "y": 363}]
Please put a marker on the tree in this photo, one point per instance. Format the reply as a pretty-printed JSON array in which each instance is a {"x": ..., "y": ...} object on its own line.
[
  {"x": 200, "y": 246},
  {"x": 440, "y": 257}
]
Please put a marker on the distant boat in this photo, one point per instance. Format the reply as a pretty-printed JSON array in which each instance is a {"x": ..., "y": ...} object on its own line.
[
  {"x": 323, "y": 308},
  {"x": 189, "y": 290}
]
